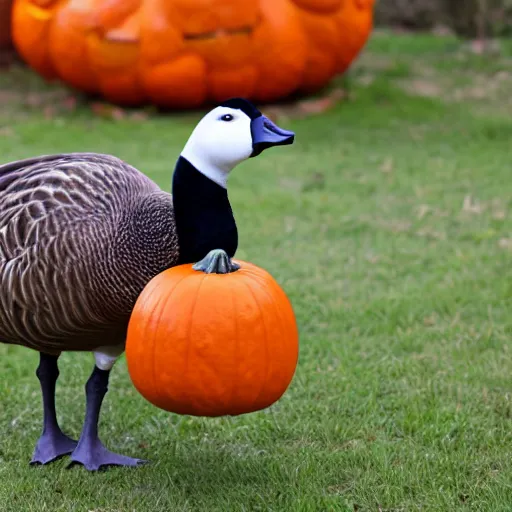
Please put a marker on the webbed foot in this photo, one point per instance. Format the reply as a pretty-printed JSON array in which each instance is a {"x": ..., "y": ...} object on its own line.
[
  {"x": 93, "y": 455},
  {"x": 52, "y": 445}
]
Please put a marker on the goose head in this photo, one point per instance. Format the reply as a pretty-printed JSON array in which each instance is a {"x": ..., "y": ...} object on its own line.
[{"x": 229, "y": 134}]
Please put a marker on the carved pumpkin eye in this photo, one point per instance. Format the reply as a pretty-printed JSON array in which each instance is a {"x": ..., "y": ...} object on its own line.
[{"x": 227, "y": 117}]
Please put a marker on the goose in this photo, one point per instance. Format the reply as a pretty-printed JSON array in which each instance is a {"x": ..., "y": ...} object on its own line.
[{"x": 81, "y": 234}]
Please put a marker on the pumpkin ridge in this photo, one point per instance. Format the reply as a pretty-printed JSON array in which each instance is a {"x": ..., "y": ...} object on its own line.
[
  {"x": 237, "y": 343},
  {"x": 146, "y": 321},
  {"x": 87, "y": 56},
  {"x": 256, "y": 279},
  {"x": 249, "y": 270},
  {"x": 155, "y": 332},
  {"x": 281, "y": 319},
  {"x": 152, "y": 373},
  {"x": 189, "y": 329},
  {"x": 137, "y": 79},
  {"x": 50, "y": 56},
  {"x": 260, "y": 392}
]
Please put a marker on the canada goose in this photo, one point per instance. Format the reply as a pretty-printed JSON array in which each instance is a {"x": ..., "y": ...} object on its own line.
[{"x": 81, "y": 234}]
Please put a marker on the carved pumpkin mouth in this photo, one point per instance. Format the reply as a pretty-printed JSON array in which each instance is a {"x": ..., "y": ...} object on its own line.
[{"x": 246, "y": 30}]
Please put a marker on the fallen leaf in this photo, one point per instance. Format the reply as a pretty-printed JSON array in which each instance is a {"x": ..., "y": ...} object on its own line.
[
  {"x": 366, "y": 80},
  {"x": 371, "y": 258},
  {"x": 275, "y": 113},
  {"x": 430, "y": 320},
  {"x": 316, "y": 106},
  {"x": 416, "y": 134},
  {"x": 478, "y": 46},
  {"x": 315, "y": 182},
  {"x": 471, "y": 206},
  {"x": 289, "y": 224},
  {"x": 387, "y": 166},
  {"x": 505, "y": 243},
  {"x": 425, "y": 88},
  {"x": 70, "y": 103},
  {"x": 423, "y": 209},
  {"x": 34, "y": 100},
  {"x": 49, "y": 112},
  {"x": 499, "y": 211},
  {"x": 305, "y": 108},
  {"x": 107, "y": 111},
  {"x": 139, "y": 116},
  {"x": 6, "y": 131},
  {"x": 429, "y": 232},
  {"x": 440, "y": 30},
  {"x": 290, "y": 183}
]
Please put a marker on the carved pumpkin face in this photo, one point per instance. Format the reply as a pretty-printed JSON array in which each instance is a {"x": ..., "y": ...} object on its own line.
[
  {"x": 220, "y": 31},
  {"x": 183, "y": 53},
  {"x": 319, "y": 6}
]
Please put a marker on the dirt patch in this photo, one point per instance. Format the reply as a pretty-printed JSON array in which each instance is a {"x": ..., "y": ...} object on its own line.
[{"x": 423, "y": 87}]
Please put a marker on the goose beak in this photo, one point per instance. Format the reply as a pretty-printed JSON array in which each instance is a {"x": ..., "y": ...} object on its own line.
[{"x": 266, "y": 134}]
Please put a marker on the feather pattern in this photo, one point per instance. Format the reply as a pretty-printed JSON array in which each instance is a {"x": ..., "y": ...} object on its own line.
[{"x": 81, "y": 234}]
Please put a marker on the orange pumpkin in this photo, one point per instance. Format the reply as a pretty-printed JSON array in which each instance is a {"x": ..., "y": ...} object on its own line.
[
  {"x": 354, "y": 23},
  {"x": 212, "y": 339},
  {"x": 184, "y": 53},
  {"x": 337, "y": 30}
]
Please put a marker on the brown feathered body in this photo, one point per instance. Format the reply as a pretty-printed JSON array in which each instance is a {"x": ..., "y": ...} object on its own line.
[{"x": 81, "y": 234}]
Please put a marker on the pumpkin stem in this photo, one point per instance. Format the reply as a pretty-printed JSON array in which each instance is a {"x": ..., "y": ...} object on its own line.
[{"x": 216, "y": 262}]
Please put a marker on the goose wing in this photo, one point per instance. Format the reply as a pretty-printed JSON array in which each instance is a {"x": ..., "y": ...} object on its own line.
[
  {"x": 42, "y": 196},
  {"x": 58, "y": 215}
]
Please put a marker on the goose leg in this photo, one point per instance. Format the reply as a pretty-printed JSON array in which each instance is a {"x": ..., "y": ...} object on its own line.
[
  {"x": 90, "y": 451},
  {"x": 52, "y": 444}
]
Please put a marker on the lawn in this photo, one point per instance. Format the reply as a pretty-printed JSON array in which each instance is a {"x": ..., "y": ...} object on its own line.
[{"x": 389, "y": 224}]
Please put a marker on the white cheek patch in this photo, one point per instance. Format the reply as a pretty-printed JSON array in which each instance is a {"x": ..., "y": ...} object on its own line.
[
  {"x": 106, "y": 357},
  {"x": 215, "y": 147}
]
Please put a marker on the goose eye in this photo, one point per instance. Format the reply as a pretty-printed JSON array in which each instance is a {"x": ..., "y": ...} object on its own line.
[{"x": 227, "y": 117}]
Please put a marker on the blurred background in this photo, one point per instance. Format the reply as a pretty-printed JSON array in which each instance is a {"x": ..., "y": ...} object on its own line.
[{"x": 181, "y": 55}]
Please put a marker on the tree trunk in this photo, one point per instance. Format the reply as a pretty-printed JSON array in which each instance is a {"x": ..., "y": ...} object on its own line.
[
  {"x": 414, "y": 14},
  {"x": 469, "y": 18}
]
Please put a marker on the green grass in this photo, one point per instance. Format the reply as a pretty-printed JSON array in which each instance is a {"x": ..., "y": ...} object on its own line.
[{"x": 389, "y": 225}]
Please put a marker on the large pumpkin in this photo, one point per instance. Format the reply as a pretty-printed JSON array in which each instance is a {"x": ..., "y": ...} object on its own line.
[
  {"x": 212, "y": 339},
  {"x": 184, "y": 53}
]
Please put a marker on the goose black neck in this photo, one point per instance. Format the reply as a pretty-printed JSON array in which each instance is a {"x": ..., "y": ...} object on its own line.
[{"x": 203, "y": 215}]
